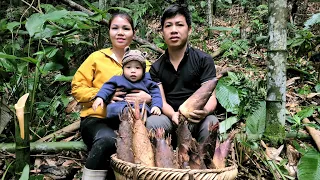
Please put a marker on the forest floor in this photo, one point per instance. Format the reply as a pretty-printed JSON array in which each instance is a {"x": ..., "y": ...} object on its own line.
[{"x": 68, "y": 164}]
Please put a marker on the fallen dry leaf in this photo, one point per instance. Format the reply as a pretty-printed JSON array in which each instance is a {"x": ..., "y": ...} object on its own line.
[
  {"x": 68, "y": 162},
  {"x": 291, "y": 81},
  {"x": 272, "y": 153},
  {"x": 311, "y": 95},
  {"x": 51, "y": 162},
  {"x": 293, "y": 155}
]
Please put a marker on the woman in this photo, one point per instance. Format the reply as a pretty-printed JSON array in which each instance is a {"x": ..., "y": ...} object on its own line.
[{"x": 98, "y": 132}]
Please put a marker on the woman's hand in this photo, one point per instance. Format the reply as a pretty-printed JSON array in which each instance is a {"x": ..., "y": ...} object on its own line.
[
  {"x": 138, "y": 94},
  {"x": 117, "y": 95},
  {"x": 156, "y": 110},
  {"x": 98, "y": 102},
  {"x": 198, "y": 115}
]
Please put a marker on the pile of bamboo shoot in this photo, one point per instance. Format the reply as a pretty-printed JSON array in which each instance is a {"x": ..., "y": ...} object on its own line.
[{"x": 136, "y": 145}]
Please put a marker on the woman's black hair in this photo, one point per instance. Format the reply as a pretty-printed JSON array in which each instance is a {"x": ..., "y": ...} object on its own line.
[
  {"x": 173, "y": 10},
  {"x": 122, "y": 15}
]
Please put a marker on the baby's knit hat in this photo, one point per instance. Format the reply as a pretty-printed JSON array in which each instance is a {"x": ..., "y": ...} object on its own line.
[{"x": 134, "y": 55}]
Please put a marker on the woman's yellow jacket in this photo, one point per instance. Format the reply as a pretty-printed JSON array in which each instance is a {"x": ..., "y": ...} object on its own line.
[{"x": 98, "y": 68}]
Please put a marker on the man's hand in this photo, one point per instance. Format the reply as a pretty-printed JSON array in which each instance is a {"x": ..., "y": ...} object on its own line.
[
  {"x": 98, "y": 102},
  {"x": 117, "y": 94},
  {"x": 198, "y": 115},
  {"x": 155, "y": 110},
  {"x": 138, "y": 94},
  {"x": 175, "y": 118}
]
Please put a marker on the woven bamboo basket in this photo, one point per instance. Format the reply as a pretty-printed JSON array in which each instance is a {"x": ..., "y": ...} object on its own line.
[{"x": 130, "y": 171}]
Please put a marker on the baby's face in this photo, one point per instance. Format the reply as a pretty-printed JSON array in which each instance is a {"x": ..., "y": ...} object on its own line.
[{"x": 133, "y": 71}]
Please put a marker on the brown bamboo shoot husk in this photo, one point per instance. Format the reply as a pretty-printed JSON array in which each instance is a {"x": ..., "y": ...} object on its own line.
[
  {"x": 315, "y": 134},
  {"x": 20, "y": 112}
]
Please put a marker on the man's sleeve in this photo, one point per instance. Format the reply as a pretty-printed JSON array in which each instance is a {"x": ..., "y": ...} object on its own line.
[
  {"x": 208, "y": 69},
  {"x": 154, "y": 73}
]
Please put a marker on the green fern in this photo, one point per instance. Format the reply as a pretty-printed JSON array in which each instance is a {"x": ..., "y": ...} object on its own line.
[{"x": 249, "y": 91}]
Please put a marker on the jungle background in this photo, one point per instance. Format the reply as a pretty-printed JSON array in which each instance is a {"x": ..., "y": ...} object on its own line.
[{"x": 44, "y": 42}]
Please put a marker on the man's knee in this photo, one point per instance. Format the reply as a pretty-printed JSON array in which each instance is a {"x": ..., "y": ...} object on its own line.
[
  {"x": 162, "y": 121},
  {"x": 204, "y": 127},
  {"x": 211, "y": 119}
]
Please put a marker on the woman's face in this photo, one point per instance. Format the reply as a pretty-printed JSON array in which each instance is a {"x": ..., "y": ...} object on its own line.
[
  {"x": 133, "y": 71},
  {"x": 121, "y": 32}
]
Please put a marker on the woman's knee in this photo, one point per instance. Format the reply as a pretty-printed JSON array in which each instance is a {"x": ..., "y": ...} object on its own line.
[{"x": 107, "y": 136}]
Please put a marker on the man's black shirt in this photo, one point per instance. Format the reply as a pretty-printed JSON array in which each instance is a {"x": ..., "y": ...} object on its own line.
[{"x": 195, "y": 68}]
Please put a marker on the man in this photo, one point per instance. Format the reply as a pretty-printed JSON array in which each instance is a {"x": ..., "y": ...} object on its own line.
[{"x": 179, "y": 73}]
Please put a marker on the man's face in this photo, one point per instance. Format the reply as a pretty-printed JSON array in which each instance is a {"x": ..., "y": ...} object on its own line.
[{"x": 176, "y": 31}]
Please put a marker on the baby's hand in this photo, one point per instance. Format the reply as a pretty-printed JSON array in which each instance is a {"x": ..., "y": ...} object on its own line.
[
  {"x": 155, "y": 110},
  {"x": 96, "y": 103}
]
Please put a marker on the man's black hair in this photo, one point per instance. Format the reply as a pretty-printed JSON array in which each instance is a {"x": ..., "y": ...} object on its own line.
[{"x": 175, "y": 9}]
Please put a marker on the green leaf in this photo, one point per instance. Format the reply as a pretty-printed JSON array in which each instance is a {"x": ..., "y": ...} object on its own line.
[
  {"x": 316, "y": 126},
  {"x": 8, "y": 65},
  {"x": 51, "y": 66},
  {"x": 29, "y": 59},
  {"x": 48, "y": 7},
  {"x": 307, "y": 112},
  {"x": 225, "y": 125},
  {"x": 37, "y": 177},
  {"x": 93, "y": 7},
  {"x": 11, "y": 25},
  {"x": 261, "y": 38},
  {"x": 255, "y": 123},
  {"x": 60, "y": 77},
  {"x": 228, "y": 96},
  {"x": 25, "y": 173},
  {"x": 315, "y": 19},
  {"x": 309, "y": 166},
  {"x": 55, "y": 15},
  {"x": 47, "y": 32},
  {"x": 96, "y": 17},
  {"x": 35, "y": 24},
  {"x": 296, "y": 42},
  {"x": 78, "y": 13},
  {"x": 317, "y": 87},
  {"x": 7, "y": 56},
  {"x": 203, "y": 4}
]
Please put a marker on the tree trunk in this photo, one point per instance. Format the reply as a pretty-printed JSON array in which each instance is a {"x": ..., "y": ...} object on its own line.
[
  {"x": 210, "y": 16},
  {"x": 276, "y": 74}
]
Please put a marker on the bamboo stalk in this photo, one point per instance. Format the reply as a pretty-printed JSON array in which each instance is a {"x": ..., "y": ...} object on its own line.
[
  {"x": 22, "y": 145},
  {"x": 38, "y": 147}
]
